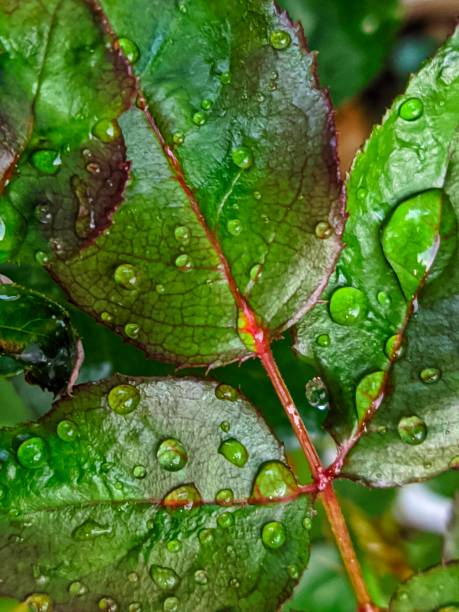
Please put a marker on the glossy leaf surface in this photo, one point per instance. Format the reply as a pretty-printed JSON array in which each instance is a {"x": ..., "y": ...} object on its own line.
[
  {"x": 390, "y": 313},
  {"x": 173, "y": 199},
  {"x": 435, "y": 589},
  {"x": 126, "y": 494}
]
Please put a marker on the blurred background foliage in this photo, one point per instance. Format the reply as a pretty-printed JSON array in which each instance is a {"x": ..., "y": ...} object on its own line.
[{"x": 366, "y": 52}]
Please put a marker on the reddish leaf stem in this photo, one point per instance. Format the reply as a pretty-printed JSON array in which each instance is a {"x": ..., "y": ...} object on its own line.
[{"x": 323, "y": 481}]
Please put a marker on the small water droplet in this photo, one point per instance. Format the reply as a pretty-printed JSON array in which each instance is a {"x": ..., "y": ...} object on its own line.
[
  {"x": 369, "y": 25},
  {"x": 46, "y": 161},
  {"x": 411, "y": 109},
  {"x": 126, "y": 276},
  {"x": 199, "y": 118},
  {"x": 182, "y": 234},
  {"x": 90, "y": 530},
  {"x": 77, "y": 588},
  {"x": 348, "y": 306},
  {"x": 323, "y": 230},
  {"x": 133, "y": 577},
  {"x": 132, "y": 330},
  {"x": 106, "y": 317},
  {"x": 200, "y": 577},
  {"x": 38, "y": 602},
  {"x": 107, "y": 604},
  {"x": 206, "y": 104},
  {"x": 183, "y": 261},
  {"x": 368, "y": 391},
  {"x": 242, "y": 157},
  {"x": 172, "y": 455},
  {"x": 234, "y": 227},
  {"x": 42, "y": 258},
  {"x": 160, "y": 289},
  {"x": 273, "y": 535},
  {"x": 361, "y": 193},
  {"x": 257, "y": 195},
  {"x": 293, "y": 572},
  {"x": 139, "y": 471},
  {"x": 135, "y": 606},
  {"x": 255, "y": 271},
  {"x": 412, "y": 430},
  {"x": 383, "y": 298},
  {"x": 32, "y": 453},
  {"x": 184, "y": 495},
  {"x": 164, "y": 577},
  {"x": 182, "y": 7},
  {"x": 323, "y": 340},
  {"x": 225, "y": 520},
  {"x": 206, "y": 536},
  {"x": 178, "y": 138},
  {"x": 274, "y": 481},
  {"x": 280, "y": 39},
  {"x": 67, "y": 431},
  {"x": 123, "y": 399},
  {"x": 226, "y": 392},
  {"x": 130, "y": 49},
  {"x": 225, "y": 78},
  {"x": 43, "y": 213},
  {"x": 430, "y": 375},
  {"x": 316, "y": 393},
  {"x": 394, "y": 348},
  {"x": 107, "y": 130},
  {"x": 225, "y": 426},
  {"x": 93, "y": 168},
  {"x": 173, "y": 546},
  {"x": 171, "y": 604},
  {"x": 234, "y": 451},
  {"x": 234, "y": 583},
  {"x": 224, "y": 496}
]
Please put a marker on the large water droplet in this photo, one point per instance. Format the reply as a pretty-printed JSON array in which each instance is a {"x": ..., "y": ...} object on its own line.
[
  {"x": 132, "y": 330},
  {"x": 316, "y": 393},
  {"x": 225, "y": 520},
  {"x": 226, "y": 392},
  {"x": 32, "y": 453},
  {"x": 184, "y": 495},
  {"x": 172, "y": 455},
  {"x": 242, "y": 157},
  {"x": 412, "y": 430},
  {"x": 368, "y": 391},
  {"x": 130, "y": 49},
  {"x": 126, "y": 276},
  {"x": 234, "y": 227},
  {"x": 411, "y": 109},
  {"x": 234, "y": 451},
  {"x": 107, "y": 130},
  {"x": 348, "y": 306},
  {"x": 67, "y": 431},
  {"x": 274, "y": 481},
  {"x": 280, "y": 39},
  {"x": 164, "y": 577},
  {"x": 171, "y": 604},
  {"x": 200, "y": 577},
  {"x": 123, "y": 399},
  {"x": 46, "y": 161},
  {"x": 273, "y": 535},
  {"x": 224, "y": 496},
  {"x": 90, "y": 530},
  {"x": 182, "y": 234},
  {"x": 430, "y": 375}
]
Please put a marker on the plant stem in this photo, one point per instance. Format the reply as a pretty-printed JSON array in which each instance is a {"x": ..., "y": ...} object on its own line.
[{"x": 324, "y": 484}]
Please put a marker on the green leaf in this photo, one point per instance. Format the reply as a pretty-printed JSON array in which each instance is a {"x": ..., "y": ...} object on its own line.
[
  {"x": 124, "y": 492},
  {"x": 207, "y": 196},
  {"x": 36, "y": 336},
  {"x": 390, "y": 313},
  {"x": 353, "y": 39},
  {"x": 451, "y": 549},
  {"x": 435, "y": 589}
]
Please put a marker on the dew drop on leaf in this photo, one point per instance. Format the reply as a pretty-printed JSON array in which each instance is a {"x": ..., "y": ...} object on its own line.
[
  {"x": 280, "y": 39},
  {"x": 234, "y": 583},
  {"x": 123, "y": 399},
  {"x": 93, "y": 168},
  {"x": 226, "y": 392},
  {"x": 225, "y": 426},
  {"x": 273, "y": 535},
  {"x": 361, "y": 193},
  {"x": 200, "y": 577},
  {"x": 107, "y": 130},
  {"x": 316, "y": 393},
  {"x": 323, "y": 230},
  {"x": 77, "y": 588},
  {"x": 173, "y": 546},
  {"x": 383, "y": 298},
  {"x": 43, "y": 213},
  {"x": 430, "y": 375},
  {"x": 106, "y": 317},
  {"x": 46, "y": 161},
  {"x": 394, "y": 348},
  {"x": 171, "y": 604},
  {"x": 225, "y": 520},
  {"x": 32, "y": 453},
  {"x": 412, "y": 430},
  {"x": 178, "y": 138},
  {"x": 183, "y": 261},
  {"x": 293, "y": 572},
  {"x": 182, "y": 234},
  {"x": 133, "y": 577},
  {"x": 160, "y": 289},
  {"x": 67, "y": 431},
  {"x": 132, "y": 330},
  {"x": 206, "y": 536},
  {"x": 164, "y": 577},
  {"x": 234, "y": 451},
  {"x": 126, "y": 276},
  {"x": 255, "y": 271},
  {"x": 206, "y": 104},
  {"x": 234, "y": 227},
  {"x": 171, "y": 455},
  {"x": 130, "y": 49},
  {"x": 135, "y": 606},
  {"x": 90, "y": 530},
  {"x": 242, "y": 157},
  {"x": 39, "y": 602},
  {"x": 224, "y": 496},
  {"x": 348, "y": 306},
  {"x": 107, "y": 604},
  {"x": 323, "y": 340},
  {"x": 225, "y": 78},
  {"x": 199, "y": 118},
  {"x": 139, "y": 471},
  {"x": 257, "y": 195},
  {"x": 411, "y": 109},
  {"x": 274, "y": 481},
  {"x": 41, "y": 258},
  {"x": 184, "y": 495}
]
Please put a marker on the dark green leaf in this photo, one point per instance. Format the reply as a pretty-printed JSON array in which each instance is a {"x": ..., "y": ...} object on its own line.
[
  {"x": 124, "y": 479},
  {"x": 401, "y": 256},
  {"x": 353, "y": 39},
  {"x": 166, "y": 217},
  {"x": 435, "y": 589},
  {"x": 36, "y": 336}
]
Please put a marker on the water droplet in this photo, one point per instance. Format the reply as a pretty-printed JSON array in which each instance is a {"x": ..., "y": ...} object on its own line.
[
  {"x": 43, "y": 213},
  {"x": 430, "y": 375},
  {"x": 323, "y": 340},
  {"x": 200, "y": 577},
  {"x": 323, "y": 230},
  {"x": 185, "y": 495},
  {"x": 46, "y": 161},
  {"x": 206, "y": 104},
  {"x": 133, "y": 577},
  {"x": 178, "y": 138},
  {"x": 273, "y": 535},
  {"x": 90, "y": 530},
  {"x": 255, "y": 271},
  {"x": 394, "y": 347},
  {"x": 182, "y": 234},
  {"x": 67, "y": 431},
  {"x": 173, "y": 546},
  {"x": 199, "y": 118},
  {"x": 234, "y": 227},
  {"x": 348, "y": 306},
  {"x": 225, "y": 520},
  {"x": 257, "y": 195},
  {"x": 182, "y": 7},
  {"x": 130, "y": 49},
  {"x": 412, "y": 430},
  {"x": 132, "y": 330},
  {"x": 135, "y": 606},
  {"x": 234, "y": 451},
  {"x": 172, "y": 455},
  {"x": 126, "y": 276},
  {"x": 225, "y": 426},
  {"x": 32, "y": 453},
  {"x": 224, "y": 496},
  {"x": 164, "y": 577},
  {"x": 225, "y": 78},
  {"x": 293, "y": 572},
  {"x": 183, "y": 261},
  {"x": 280, "y": 39},
  {"x": 411, "y": 109},
  {"x": 206, "y": 536},
  {"x": 316, "y": 393},
  {"x": 171, "y": 604},
  {"x": 106, "y": 317},
  {"x": 93, "y": 168},
  {"x": 123, "y": 399},
  {"x": 368, "y": 391},
  {"x": 107, "y": 604},
  {"x": 226, "y": 392},
  {"x": 369, "y": 24},
  {"x": 361, "y": 193},
  {"x": 42, "y": 258},
  {"x": 139, "y": 471},
  {"x": 160, "y": 289},
  {"x": 107, "y": 130},
  {"x": 234, "y": 583},
  {"x": 274, "y": 481},
  {"x": 77, "y": 589},
  {"x": 242, "y": 157},
  {"x": 39, "y": 602},
  {"x": 383, "y": 298}
]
